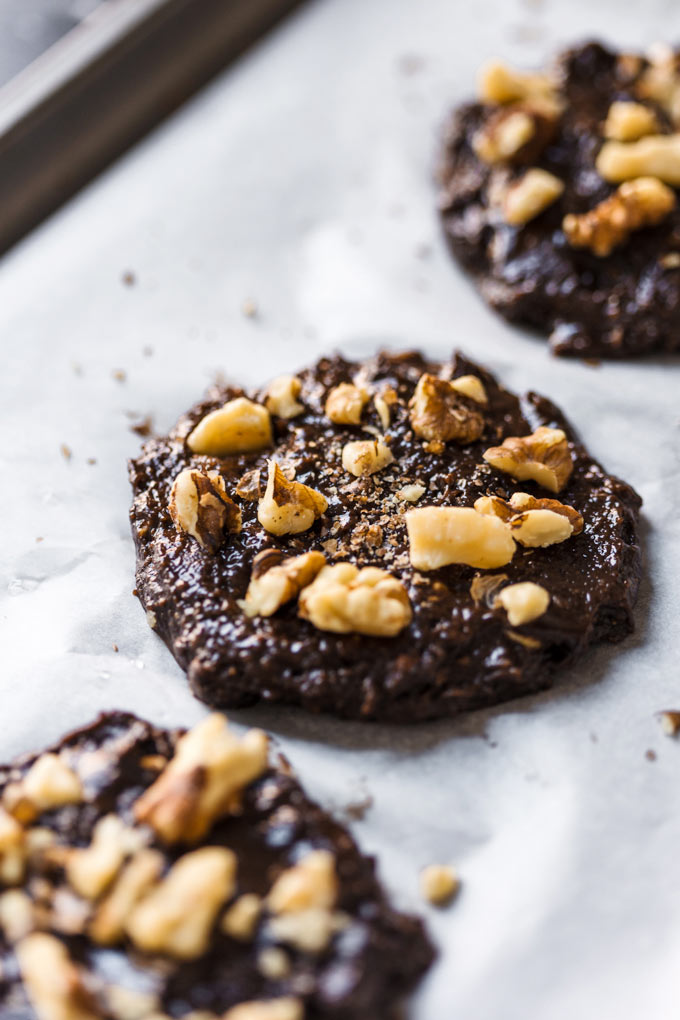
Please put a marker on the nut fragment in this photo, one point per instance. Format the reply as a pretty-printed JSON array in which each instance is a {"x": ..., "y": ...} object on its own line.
[
  {"x": 533, "y": 522},
  {"x": 523, "y": 602},
  {"x": 210, "y": 767},
  {"x": 177, "y": 916},
  {"x": 17, "y": 917},
  {"x": 411, "y": 493},
  {"x": 53, "y": 983},
  {"x": 312, "y": 882},
  {"x": 470, "y": 386},
  {"x": 439, "y": 414},
  {"x": 345, "y": 403},
  {"x": 543, "y": 457},
  {"x": 200, "y": 506},
  {"x": 143, "y": 871},
  {"x": 503, "y": 136},
  {"x": 439, "y": 884},
  {"x": 240, "y": 426},
  {"x": 128, "y": 1004},
  {"x": 439, "y": 535},
  {"x": 670, "y": 722},
  {"x": 287, "y": 1008},
  {"x": 310, "y": 931},
  {"x": 12, "y": 849},
  {"x": 344, "y": 599},
  {"x": 90, "y": 870},
  {"x": 365, "y": 457},
  {"x": 287, "y": 508},
  {"x": 661, "y": 82},
  {"x": 627, "y": 121},
  {"x": 271, "y": 589},
  {"x": 241, "y": 918},
  {"x": 498, "y": 83},
  {"x": 652, "y": 156},
  {"x": 526, "y": 198},
  {"x": 48, "y": 784},
  {"x": 523, "y": 501},
  {"x": 282, "y": 394},
  {"x": 643, "y": 202}
]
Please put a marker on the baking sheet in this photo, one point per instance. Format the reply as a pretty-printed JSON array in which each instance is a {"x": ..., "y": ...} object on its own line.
[{"x": 300, "y": 181}]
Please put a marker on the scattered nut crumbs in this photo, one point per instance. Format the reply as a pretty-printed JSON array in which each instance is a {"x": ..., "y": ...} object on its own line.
[
  {"x": 439, "y": 883},
  {"x": 66, "y": 451},
  {"x": 670, "y": 722},
  {"x": 119, "y": 374}
]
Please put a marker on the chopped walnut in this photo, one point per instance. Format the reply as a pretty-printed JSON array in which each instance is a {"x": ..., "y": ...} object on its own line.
[
  {"x": 411, "y": 493},
  {"x": 483, "y": 587},
  {"x": 643, "y": 202},
  {"x": 439, "y": 884},
  {"x": 498, "y": 83},
  {"x": 288, "y": 508},
  {"x": 287, "y": 1008},
  {"x": 241, "y": 918},
  {"x": 137, "y": 878},
  {"x": 280, "y": 581},
  {"x": 282, "y": 394},
  {"x": 48, "y": 784},
  {"x": 90, "y": 870},
  {"x": 17, "y": 915},
  {"x": 311, "y": 883},
  {"x": 177, "y": 916},
  {"x": 366, "y": 457},
  {"x": 12, "y": 849},
  {"x": 652, "y": 156},
  {"x": 200, "y": 506},
  {"x": 309, "y": 931},
  {"x": 128, "y": 1004},
  {"x": 503, "y": 136},
  {"x": 345, "y": 404},
  {"x": 542, "y": 457},
  {"x": 523, "y": 501},
  {"x": 527, "y": 197},
  {"x": 523, "y": 602},
  {"x": 344, "y": 599},
  {"x": 273, "y": 963},
  {"x": 626, "y": 122},
  {"x": 670, "y": 724},
  {"x": 439, "y": 535},
  {"x": 533, "y": 522},
  {"x": 382, "y": 410},
  {"x": 439, "y": 414},
  {"x": 240, "y": 426},
  {"x": 53, "y": 983},
  {"x": 210, "y": 767},
  {"x": 470, "y": 386},
  {"x": 661, "y": 82}
]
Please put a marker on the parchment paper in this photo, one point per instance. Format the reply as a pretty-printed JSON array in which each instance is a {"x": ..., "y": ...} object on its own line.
[{"x": 301, "y": 181}]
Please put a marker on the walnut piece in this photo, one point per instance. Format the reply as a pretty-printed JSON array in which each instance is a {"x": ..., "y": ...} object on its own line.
[
  {"x": 345, "y": 599},
  {"x": 439, "y": 414},
  {"x": 439, "y": 535},
  {"x": 345, "y": 404},
  {"x": 661, "y": 82},
  {"x": 49, "y": 783},
  {"x": 470, "y": 386},
  {"x": 652, "y": 156},
  {"x": 12, "y": 849},
  {"x": 53, "y": 983},
  {"x": 240, "y": 426},
  {"x": 288, "y": 508},
  {"x": 287, "y": 1008},
  {"x": 503, "y": 135},
  {"x": 533, "y": 522},
  {"x": 309, "y": 931},
  {"x": 177, "y": 916},
  {"x": 17, "y": 915},
  {"x": 527, "y": 197},
  {"x": 411, "y": 493},
  {"x": 200, "y": 506},
  {"x": 365, "y": 457},
  {"x": 670, "y": 724},
  {"x": 439, "y": 884},
  {"x": 498, "y": 83},
  {"x": 642, "y": 202},
  {"x": 280, "y": 581},
  {"x": 209, "y": 769},
  {"x": 282, "y": 394},
  {"x": 523, "y": 602},
  {"x": 137, "y": 878},
  {"x": 627, "y": 121},
  {"x": 90, "y": 870},
  {"x": 542, "y": 457},
  {"x": 241, "y": 918},
  {"x": 311, "y": 883}
]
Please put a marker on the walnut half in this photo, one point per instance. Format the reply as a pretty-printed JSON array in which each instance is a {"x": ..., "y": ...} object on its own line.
[
  {"x": 533, "y": 522},
  {"x": 276, "y": 580},
  {"x": 643, "y": 202},
  {"x": 345, "y": 599},
  {"x": 288, "y": 508},
  {"x": 200, "y": 506},
  {"x": 440, "y": 411},
  {"x": 542, "y": 457}
]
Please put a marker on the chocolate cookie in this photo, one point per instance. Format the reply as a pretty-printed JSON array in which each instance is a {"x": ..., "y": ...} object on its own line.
[
  {"x": 401, "y": 540},
  {"x": 557, "y": 194},
  {"x": 155, "y": 874}
]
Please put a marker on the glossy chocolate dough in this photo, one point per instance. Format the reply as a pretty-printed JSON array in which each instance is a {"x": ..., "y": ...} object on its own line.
[
  {"x": 365, "y": 971},
  {"x": 455, "y": 655},
  {"x": 623, "y": 304}
]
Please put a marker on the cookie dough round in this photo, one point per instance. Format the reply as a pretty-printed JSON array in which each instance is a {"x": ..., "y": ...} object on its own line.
[
  {"x": 541, "y": 199},
  {"x": 251, "y": 616},
  {"x": 153, "y": 873}
]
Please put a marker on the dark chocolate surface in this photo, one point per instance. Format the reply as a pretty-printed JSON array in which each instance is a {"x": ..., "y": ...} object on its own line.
[
  {"x": 365, "y": 971},
  {"x": 456, "y": 654},
  {"x": 627, "y": 303}
]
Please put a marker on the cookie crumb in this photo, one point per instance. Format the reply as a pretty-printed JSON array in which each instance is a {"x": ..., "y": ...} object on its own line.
[
  {"x": 439, "y": 883},
  {"x": 143, "y": 427},
  {"x": 670, "y": 722},
  {"x": 119, "y": 375},
  {"x": 650, "y": 755},
  {"x": 66, "y": 451},
  {"x": 129, "y": 278}
]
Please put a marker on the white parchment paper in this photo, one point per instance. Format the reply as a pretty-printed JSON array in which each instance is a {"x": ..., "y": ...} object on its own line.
[{"x": 301, "y": 180}]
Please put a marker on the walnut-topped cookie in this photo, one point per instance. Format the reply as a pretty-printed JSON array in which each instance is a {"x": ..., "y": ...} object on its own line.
[
  {"x": 413, "y": 541},
  {"x": 148, "y": 874},
  {"x": 559, "y": 194}
]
